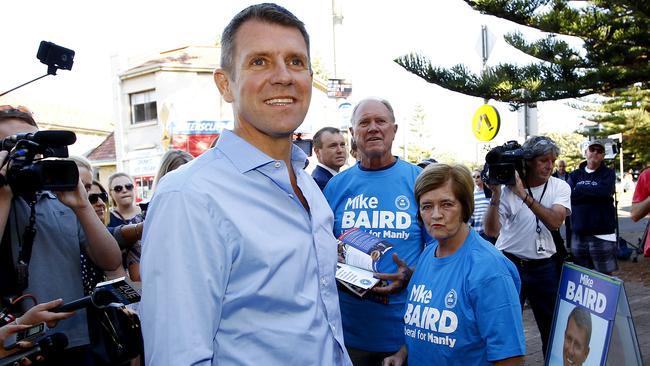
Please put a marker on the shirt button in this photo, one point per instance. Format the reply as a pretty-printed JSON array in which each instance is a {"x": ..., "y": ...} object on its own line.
[
  {"x": 277, "y": 164},
  {"x": 333, "y": 327},
  {"x": 323, "y": 281}
]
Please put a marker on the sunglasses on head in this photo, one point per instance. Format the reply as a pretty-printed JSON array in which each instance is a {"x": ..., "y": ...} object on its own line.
[
  {"x": 118, "y": 188},
  {"x": 94, "y": 197}
]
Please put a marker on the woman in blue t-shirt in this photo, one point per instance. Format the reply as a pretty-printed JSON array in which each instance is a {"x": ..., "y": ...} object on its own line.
[{"x": 463, "y": 299}]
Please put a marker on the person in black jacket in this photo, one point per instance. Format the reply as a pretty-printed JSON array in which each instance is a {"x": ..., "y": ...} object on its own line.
[{"x": 593, "y": 220}]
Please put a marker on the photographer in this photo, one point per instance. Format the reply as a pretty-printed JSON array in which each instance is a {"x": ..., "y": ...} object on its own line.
[
  {"x": 65, "y": 223},
  {"x": 522, "y": 215}
]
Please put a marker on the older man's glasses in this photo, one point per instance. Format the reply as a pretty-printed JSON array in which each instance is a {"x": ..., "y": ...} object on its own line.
[
  {"x": 95, "y": 197},
  {"x": 118, "y": 188}
]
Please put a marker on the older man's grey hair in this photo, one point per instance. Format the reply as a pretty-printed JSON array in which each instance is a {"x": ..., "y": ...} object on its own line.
[
  {"x": 383, "y": 101},
  {"x": 540, "y": 145}
]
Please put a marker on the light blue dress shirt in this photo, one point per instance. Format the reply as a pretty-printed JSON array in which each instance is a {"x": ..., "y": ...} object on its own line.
[{"x": 235, "y": 271}]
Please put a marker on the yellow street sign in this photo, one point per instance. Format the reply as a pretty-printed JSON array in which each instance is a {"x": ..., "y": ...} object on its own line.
[{"x": 486, "y": 123}]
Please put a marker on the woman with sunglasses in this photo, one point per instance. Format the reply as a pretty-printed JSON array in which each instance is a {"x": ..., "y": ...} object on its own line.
[
  {"x": 122, "y": 193},
  {"x": 125, "y": 212},
  {"x": 98, "y": 197}
]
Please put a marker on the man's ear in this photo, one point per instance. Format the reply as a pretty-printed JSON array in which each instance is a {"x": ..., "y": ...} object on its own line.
[
  {"x": 223, "y": 84},
  {"x": 395, "y": 128}
]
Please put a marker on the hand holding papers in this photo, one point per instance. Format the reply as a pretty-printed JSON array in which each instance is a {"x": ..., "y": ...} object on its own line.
[{"x": 362, "y": 255}]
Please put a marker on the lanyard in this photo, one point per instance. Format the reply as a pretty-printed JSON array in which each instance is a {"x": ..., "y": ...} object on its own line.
[{"x": 538, "y": 229}]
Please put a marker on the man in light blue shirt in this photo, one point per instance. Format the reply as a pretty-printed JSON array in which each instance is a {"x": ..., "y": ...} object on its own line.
[{"x": 239, "y": 259}]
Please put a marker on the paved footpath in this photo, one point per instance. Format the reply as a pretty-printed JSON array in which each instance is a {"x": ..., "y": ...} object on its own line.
[{"x": 636, "y": 276}]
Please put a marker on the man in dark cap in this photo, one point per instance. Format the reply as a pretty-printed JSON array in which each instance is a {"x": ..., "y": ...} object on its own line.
[{"x": 593, "y": 219}]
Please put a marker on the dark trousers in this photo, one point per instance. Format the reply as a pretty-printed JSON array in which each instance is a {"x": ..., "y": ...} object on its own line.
[
  {"x": 567, "y": 232},
  {"x": 539, "y": 285}
]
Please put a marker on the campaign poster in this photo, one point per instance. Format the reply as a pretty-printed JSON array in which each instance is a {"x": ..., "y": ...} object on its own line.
[{"x": 585, "y": 312}]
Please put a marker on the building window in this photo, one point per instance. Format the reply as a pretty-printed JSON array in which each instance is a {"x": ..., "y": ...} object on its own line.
[{"x": 143, "y": 107}]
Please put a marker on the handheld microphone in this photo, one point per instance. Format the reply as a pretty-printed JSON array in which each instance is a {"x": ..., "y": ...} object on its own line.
[
  {"x": 47, "y": 347},
  {"x": 119, "y": 290}
]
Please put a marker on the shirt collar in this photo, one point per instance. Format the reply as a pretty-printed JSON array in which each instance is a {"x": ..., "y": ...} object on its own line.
[
  {"x": 48, "y": 194},
  {"x": 334, "y": 172},
  {"x": 246, "y": 157}
]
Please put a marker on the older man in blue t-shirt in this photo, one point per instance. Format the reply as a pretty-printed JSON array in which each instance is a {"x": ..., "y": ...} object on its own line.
[{"x": 376, "y": 195}]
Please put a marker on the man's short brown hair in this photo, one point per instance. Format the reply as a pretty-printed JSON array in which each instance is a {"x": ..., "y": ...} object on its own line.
[{"x": 266, "y": 12}]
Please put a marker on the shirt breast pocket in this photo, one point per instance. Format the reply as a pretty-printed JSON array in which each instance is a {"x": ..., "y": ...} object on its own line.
[{"x": 62, "y": 222}]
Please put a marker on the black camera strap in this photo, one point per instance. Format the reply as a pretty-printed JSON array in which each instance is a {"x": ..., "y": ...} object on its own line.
[
  {"x": 25, "y": 246},
  {"x": 538, "y": 229}
]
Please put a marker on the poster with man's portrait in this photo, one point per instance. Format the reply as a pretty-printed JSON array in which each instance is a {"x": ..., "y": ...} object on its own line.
[
  {"x": 584, "y": 318},
  {"x": 579, "y": 337}
]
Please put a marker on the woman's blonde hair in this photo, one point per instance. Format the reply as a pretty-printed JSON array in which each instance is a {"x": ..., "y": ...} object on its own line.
[
  {"x": 171, "y": 161},
  {"x": 81, "y": 162}
]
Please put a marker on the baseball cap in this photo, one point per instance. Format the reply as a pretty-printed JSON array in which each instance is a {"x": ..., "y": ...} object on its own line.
[
  {"x": 426, "y": 162},
  {"x": 596, "y": 142}
]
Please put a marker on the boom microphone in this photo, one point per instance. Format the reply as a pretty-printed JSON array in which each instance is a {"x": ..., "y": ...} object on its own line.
[
  {"x": 47, "y": 138},
  {"x": 493, "y": 156},
  {"x": 47, "y": 347}
]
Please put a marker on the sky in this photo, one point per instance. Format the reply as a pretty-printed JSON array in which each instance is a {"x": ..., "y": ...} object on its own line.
[{"x": 373, "y": 33}]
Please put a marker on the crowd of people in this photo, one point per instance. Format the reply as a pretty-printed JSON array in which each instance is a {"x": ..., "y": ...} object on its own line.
[
  {"x": 237, "y": 250},
  {"x": 76, "y": 242}
]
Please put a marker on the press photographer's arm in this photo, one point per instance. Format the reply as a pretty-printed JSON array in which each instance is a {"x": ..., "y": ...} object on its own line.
[
  {"x": 102, "y": 247},
  {"x": 552, "y": 217}
]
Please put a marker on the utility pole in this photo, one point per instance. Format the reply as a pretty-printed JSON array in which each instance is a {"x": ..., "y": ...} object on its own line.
[{"x": 337, "y": 21}]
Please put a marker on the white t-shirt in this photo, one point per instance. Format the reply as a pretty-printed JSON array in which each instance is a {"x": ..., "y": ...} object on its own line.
[{"x": 518, "y": 234}]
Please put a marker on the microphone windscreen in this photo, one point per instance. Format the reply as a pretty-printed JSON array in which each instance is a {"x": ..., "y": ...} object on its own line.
[
  {"x": 493, "y": 156},
  {"x": 103, "y": 297},
  {"x": 55, "y": 138}
]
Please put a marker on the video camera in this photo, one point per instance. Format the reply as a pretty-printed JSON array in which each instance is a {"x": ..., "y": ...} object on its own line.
[
  {"x": 503, "y": 161},
  {"x": 28, "y": 172}
]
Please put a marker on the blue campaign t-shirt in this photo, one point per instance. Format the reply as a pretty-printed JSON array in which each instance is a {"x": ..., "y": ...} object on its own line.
[
  {"x": 463, "y": 309},
  {"x": 382, "y": 203}
]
